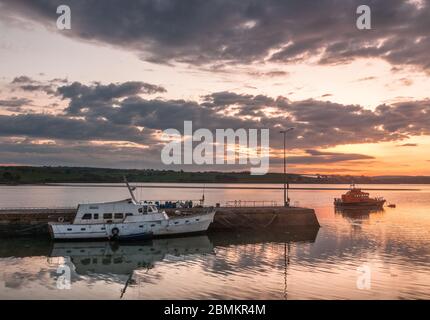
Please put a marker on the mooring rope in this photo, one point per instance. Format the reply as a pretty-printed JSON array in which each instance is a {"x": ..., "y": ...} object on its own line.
[
  {"x": 271, "y": 221},
  {"x": 226, "y": 223},
  {"x": 249, "y": 221}
]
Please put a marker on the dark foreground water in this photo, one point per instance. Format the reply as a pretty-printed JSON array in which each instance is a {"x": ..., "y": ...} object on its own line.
[{"x": 354, "y": 255}]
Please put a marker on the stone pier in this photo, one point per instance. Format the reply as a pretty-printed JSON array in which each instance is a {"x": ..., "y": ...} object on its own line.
[{"x": 32, "y": 221}]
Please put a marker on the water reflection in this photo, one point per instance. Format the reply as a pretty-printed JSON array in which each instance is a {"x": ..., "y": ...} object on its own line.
[
  {"x": 358, "y": 212},
  {"x": 133, "y": 266},
  {"x": 356, "y": 216},
  {"x": 308, "y": 264},
  {"x": 120, "y": 259},
  {"x": 272, "y": 265}
]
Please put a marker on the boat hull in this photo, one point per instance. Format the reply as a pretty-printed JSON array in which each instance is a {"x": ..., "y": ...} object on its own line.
[
  {"x": 183, "y": 225},
  {"x": 372, "y": 204},
  {"x": 132, "y": 230}
]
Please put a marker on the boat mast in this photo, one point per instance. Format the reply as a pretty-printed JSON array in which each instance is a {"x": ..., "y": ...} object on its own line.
[
  {"x": 202, "y": 200},
  {"x": 130, "y": 189}
]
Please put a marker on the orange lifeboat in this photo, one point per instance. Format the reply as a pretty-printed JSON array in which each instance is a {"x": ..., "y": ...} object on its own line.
[{"x": 356, "y": 197}]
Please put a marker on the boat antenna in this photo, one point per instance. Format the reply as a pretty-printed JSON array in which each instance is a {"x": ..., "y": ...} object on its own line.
[
  {"x": 203, "y": 196},
  {"x": 130, "y": 189}
]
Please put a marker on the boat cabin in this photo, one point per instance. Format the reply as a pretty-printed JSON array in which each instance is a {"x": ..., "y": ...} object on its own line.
[
  {"x": 115, "y": 212},
  {"x": 355, "y": 194}
]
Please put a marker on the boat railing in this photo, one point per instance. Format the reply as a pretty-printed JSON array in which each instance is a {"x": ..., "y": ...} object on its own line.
[
  {"x": 251, "y": 203},
  {"x": 173, "y": 204}
]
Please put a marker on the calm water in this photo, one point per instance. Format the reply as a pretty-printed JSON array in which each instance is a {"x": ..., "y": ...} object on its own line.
[{"x": 393, "y": 246}]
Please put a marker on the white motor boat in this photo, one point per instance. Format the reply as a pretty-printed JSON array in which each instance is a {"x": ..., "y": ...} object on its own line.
[{"x": 128, "y": 219}]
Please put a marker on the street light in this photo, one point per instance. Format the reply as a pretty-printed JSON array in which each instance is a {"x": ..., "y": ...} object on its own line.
[{"x": 286, "y": 199}]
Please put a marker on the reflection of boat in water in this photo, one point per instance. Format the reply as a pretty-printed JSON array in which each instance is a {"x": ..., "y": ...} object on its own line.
[
  {"x": 357, "y": 198},
  {"x": 29, "y": 247},
  {"x": 118, "y": 258},
  {"x": 358, "y": 212},
  {"x": 134, "y": 264}
]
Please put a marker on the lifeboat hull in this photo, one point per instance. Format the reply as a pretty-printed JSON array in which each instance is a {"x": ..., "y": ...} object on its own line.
[{"x": 373, "y": 204}]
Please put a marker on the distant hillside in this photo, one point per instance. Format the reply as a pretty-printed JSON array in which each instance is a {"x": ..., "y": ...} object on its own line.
[{"x": 40, "y": 175}]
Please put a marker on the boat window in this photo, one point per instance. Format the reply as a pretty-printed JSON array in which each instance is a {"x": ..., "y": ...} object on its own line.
[
  {"x": 140, "y": 210},
  {"x": 128, "y": 214},
  {"x": 118, "y": 216},
  {"x": 87, "y": 216},
  {"x": 117, "y": 260},
  {"x": 107, "y": 215},
  {"x": 96, "y": 216}
]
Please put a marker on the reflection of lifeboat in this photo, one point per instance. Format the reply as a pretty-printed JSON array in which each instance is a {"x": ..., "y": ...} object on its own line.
[
  {"x": 358, "y": 212},
  {"x": 356, "y": 197}
]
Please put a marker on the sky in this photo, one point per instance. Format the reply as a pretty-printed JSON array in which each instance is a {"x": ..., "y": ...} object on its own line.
[{"x": 101, "y": 93}]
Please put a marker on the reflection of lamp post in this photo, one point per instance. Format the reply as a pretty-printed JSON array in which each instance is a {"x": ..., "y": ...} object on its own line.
[
  {"x": 286, "y": 199},
  {"x": 286, "y": 264}
]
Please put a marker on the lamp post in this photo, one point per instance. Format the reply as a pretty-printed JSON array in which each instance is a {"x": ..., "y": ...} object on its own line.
[{"x": 286, "y": 199}]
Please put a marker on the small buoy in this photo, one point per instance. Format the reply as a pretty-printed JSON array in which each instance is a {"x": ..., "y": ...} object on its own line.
[{"x": 60, "y": 219}]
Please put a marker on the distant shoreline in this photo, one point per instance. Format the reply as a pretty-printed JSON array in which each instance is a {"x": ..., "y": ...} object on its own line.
[
  {"x": 15, "y": 175},
  {"x": 208, "y": 186}
]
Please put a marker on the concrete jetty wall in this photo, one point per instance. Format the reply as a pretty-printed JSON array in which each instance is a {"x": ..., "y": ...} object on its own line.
[
  {"x": 24, "y": 222},
  {"x": 263, "y": 218}
]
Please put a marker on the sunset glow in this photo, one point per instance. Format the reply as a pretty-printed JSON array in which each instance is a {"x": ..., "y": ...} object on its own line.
[{"x": 359, "y": 102}]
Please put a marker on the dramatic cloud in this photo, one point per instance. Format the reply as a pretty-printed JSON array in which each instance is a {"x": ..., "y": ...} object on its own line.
[
  {"x": 67, "y": 153},
  {"x": 116, "y": 113},
  {"x": 99, "y": 95},
  {"x": 224, "y": 31},
  {"x": 22, "y": 79},
  {"x": 408, "y": 145},
  {"x": 30, "y": 87},
  {"x": 14, "y": 102},
  {"x": 28, "y": 84},
  {"x": 318, "y": 157},
  {"x": 269, "y": 74},
  {"x": 59, "y": 127}
]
